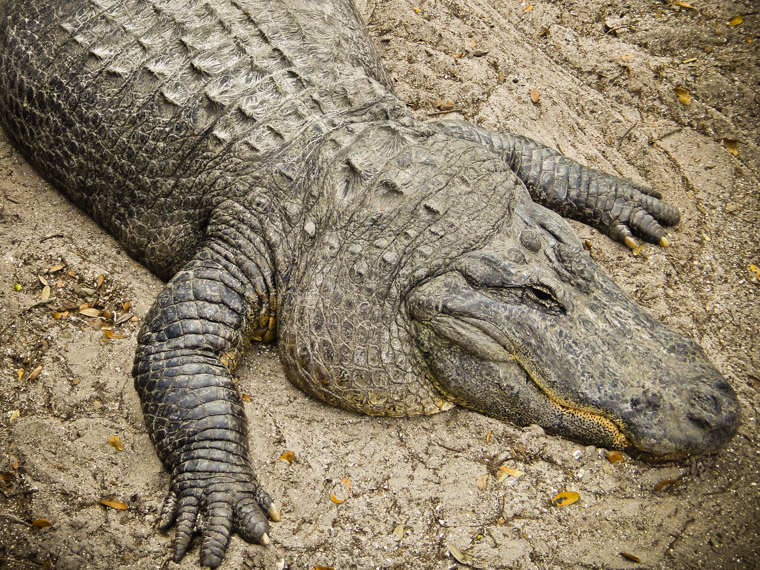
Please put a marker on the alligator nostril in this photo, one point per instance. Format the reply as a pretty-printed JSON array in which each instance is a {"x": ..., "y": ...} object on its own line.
[
  {"x": 704, "y": 401},
  {"x": 704, "y": 409}
]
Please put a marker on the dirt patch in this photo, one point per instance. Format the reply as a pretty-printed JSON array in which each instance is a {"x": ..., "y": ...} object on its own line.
[{"x": 605, "y": 75}]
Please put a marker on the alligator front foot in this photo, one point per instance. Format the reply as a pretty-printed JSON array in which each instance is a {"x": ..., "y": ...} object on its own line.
[
  {"x": 216, "y": 505},
  {"x": 617, "y": 207}
]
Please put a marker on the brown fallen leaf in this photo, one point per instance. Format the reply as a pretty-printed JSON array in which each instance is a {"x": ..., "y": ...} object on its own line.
[
  {"x": 45, "y": 292},
  {"x": 534, "y": 95},
  {"x": 288, "y": 456},
  {"x": 398, "y": 532},
  {"x": 35, "y": 373},
  {"x": 684, "y": 5},
  {"x": 20, "y": 373},
  {"x": 683, "y": 95},
  {"x": 732, "y": 146},
  {"x": 512, "y": 472},
  {"x": 614, "y": 456},
  {"x": 113, "y": 504},
  {"x": 245, "y": 397},
  {"x": 631, "y": 557},
  {"x": 335, "y": 499},
  {"x": 126, "y": 306},
  {"x": 736, "y": 20},
  {"x": 14, "y": 416},
  {"x": 100, "y": 280},
  {"x": 666, "y": 483},
  {"x": 323, "y": 568},
  {"x": 565, "y": 498},
  {"x": 112, "y": 335},
  {"x": 115, "y": 442},
  {"x": 482, "y": 482},
  {"x": 41, "y": 523},
  {"x": 56, "y": 268},
  {"x": 89, "y": 312}
]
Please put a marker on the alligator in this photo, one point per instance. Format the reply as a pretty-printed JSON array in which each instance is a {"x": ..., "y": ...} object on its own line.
[{"x": 253, "y": 154}]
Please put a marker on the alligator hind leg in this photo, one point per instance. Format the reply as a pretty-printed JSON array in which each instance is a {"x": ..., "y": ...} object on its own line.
[
  {"x": 615, "y": 206},
  {"x": 186, "y": 349}
]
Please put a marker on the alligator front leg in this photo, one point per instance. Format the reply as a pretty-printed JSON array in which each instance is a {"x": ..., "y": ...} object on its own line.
[
  {"x": 186, "y": 349},
  {"x": 615, "y": 206}
]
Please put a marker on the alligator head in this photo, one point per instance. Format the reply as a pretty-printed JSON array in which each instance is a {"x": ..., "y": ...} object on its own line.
[
  {"x": 531, "y": 330},
  {"x": 431, "y": 277}
]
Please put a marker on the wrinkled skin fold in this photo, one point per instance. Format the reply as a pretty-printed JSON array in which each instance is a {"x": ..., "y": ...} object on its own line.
[{"x": 253, "y": 154}]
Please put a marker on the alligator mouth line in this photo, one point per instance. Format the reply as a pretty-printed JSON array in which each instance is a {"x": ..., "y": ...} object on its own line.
[
  {"x": 606, "y": 432},
  {"x": 614, "y": 438}
]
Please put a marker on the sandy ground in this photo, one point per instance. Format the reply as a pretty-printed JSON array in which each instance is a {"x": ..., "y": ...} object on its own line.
[{"x": 605, "y": 75}]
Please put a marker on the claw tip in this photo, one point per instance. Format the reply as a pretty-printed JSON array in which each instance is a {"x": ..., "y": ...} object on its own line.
[
  {"x": 630, "y": 242},
  {"x": 265, "y": 540},
  {"x": 664, "y": 242},
  {"x": 274, "y": 513}
]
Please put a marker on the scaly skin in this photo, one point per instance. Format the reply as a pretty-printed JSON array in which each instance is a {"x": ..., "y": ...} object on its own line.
[{"x": 253, "y": 154}]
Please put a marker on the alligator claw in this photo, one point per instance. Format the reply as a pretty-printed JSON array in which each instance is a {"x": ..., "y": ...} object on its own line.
[{"x": 216, "y": 507}]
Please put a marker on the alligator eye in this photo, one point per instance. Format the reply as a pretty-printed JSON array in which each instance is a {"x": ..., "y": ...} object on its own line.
[{"x": 544, "y": 297}]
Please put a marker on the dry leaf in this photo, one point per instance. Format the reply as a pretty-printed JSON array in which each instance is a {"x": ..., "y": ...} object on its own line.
[
  {"x": 631, "y": 557},
  {"x": 565, "y": 498},
  {"x": 512, "y": 472},
  {"x": 56, "y": 268},
  {"x": 528, "y": 8},
  {"x": 323, "y": 568},
  {"x": 460, "y": 555},
  {"x": 45, "y": 292},
  {"x": 736, "y": 20},
  {"x": 100, "y": 280},
  {"x": 335, "y": 499},
  {"x": 14, "y": 461},
  {"x": 245, "y": 397},
  {"x": 398, "y": 532},
  {"x": 534, "y": 95},
  {"x": 88, "y": 312},
  {"x": 488, "y": 437},
  {"x": 20, "y": 373},
  {"x": 614, "y": 456},
  {"x": 347, "y": 483},
  {"x": 482, "y": 482},
  {"x": 288, "y": 456},
  {"x": 14, "y": 415},
  {"x": 42, "y": 280},
  {"x": 666, "y": 483},
  {"x": 684, "y": 5},
  {"x": 732, "y": 146},
  {"x": 126, "y": 306},
  {"x": 116, "y": 442},
  {"x": 113, "y": 504},
  {"x": 683, "y": 95},
  {"x": 36, "y": 372},
  {"x": 112, "y": 335},
  {"x": 41, "y": 523}
]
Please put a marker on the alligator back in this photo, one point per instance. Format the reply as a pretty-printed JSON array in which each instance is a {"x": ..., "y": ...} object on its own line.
[{"x": 145, "y": 111}]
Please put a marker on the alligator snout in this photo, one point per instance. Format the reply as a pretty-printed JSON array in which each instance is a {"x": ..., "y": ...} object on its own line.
[{"x": 601, "y": 370}]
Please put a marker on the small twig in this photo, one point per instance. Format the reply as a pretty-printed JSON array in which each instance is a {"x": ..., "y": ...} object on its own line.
[
  {"x": 52, "y": 236},
  {"x": 15, "y": 519},
  {"x": 27, "y": 562},
  {"x": 445, "y": 112}
]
